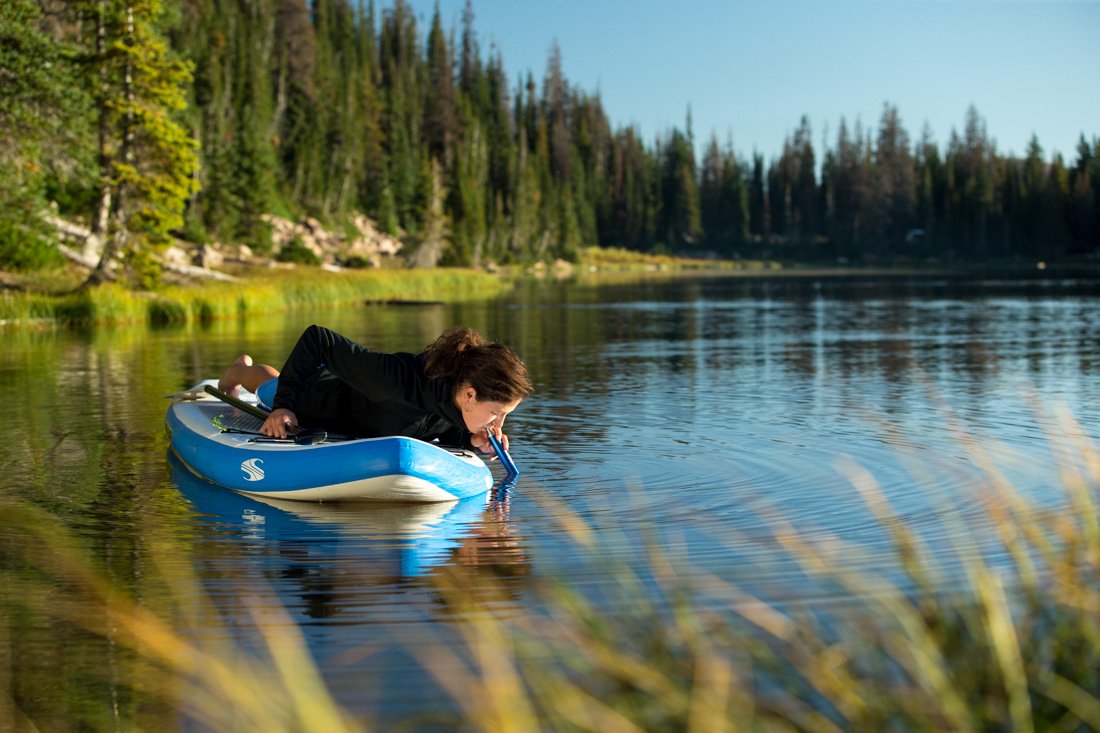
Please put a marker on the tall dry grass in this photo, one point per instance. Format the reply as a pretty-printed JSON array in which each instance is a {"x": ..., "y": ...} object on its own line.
[
  {"x": 1013, "y": 647},
  {"x": 162, "y": 655},
  {"x": 663, "y": 646}
]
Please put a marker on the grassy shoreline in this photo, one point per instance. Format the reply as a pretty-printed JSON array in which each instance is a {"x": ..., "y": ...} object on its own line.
[
  {"x": 257, "y": 293},
  {"x": 52, "y": 298}
]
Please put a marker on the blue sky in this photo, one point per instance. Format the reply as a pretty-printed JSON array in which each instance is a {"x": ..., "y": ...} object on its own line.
[{"x": 750, "y": 69}]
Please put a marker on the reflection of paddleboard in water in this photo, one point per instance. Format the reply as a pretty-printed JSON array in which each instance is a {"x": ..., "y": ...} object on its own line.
[
  {"x": 221, "y": 443},
  {"x": 405, "y": 539}
]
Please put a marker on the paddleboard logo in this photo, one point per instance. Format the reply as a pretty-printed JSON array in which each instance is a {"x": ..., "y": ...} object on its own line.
[{"x": 252, "y": 470}]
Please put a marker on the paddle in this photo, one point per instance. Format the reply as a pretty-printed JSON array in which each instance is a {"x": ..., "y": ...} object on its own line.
[
  {"x": 301, "y": 437},
  {"x": 253, "y": 410},
  {"x": 505, "y": 459}
]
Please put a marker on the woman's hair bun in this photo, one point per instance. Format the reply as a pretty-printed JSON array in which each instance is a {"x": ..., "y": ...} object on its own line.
[{"x": 464, "y": 356}]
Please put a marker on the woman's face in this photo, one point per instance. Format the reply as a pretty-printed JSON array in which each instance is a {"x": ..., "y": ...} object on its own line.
[{"x": 479, "y": 415}]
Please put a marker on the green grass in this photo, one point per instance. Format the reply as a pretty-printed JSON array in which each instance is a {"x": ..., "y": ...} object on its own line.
[
  {"x": 52, "y": 297},
  {"x": 257, "y": 294},
  {"x": 617, "y": 258}
]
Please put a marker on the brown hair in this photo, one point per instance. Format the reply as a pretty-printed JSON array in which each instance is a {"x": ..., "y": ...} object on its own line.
[{"x": 464, "y": 356}]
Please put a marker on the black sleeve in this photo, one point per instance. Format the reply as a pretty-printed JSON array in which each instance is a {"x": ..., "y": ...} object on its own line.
[
  {"x": 457, "y": 436},
  {"x": 378, "y": 376}
]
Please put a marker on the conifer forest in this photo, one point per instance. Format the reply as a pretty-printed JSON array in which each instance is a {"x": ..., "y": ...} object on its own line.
[{"x": 153, "y": 120}]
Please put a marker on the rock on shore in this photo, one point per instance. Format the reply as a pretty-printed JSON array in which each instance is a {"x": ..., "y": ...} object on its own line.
[
  {"x": 363, "y": 241},
  {"x": 362, "y": 244}
]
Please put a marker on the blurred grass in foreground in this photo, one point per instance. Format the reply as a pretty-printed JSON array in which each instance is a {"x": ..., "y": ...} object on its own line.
[{"x": 1013, "y": 648}]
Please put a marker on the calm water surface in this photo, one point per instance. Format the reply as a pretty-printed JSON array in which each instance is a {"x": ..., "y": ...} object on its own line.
[{"x": 706, "y": 414}]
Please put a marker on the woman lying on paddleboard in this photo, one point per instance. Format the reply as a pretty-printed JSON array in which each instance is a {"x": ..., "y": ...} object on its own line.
[{"x": 455, "y": 390}]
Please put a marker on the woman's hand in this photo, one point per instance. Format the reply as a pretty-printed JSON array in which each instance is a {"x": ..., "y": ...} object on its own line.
[
  {"x": 280, "y": 423},
  {"x": 480, "y": 440}
]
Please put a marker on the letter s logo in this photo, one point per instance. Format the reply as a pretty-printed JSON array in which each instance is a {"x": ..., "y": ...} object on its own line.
[{"x": 252, "y": 470}]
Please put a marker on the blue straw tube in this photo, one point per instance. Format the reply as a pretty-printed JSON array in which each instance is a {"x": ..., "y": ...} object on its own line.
[{"x": 505, "y": 459}]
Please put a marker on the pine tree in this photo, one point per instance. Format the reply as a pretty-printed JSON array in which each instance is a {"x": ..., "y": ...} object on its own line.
[
  {"x": 759, "y": 225},
  {"x": 470, "y": 66},
  {"x": 408, "y": 170},
  {"x": 294, "y": 68},
  {"x": 503, "y": 147},
  {"x": 1028, "y": 209},
  {"x": 679, "y": 217},
  {"x": 43, "y": 112},
  {"x": 555, "y": 105},
  {"x": 931, "y": 193},
  {"x": 372, "y": 181},
  {"x": 628, "y": 222},
  {"x": 970, "y": 179},
  {"x": 712, "y": 213},
  {"x": 468, "y": 204},
  {"x": 435, "y": 228},
  {"x": 734, "y": 201},
  {"x": 147, "y": 159},
  {"x": 894, "y": 189},
  {"x": 1053, "y": 230},
  {"x": 804, "y": 191},
  {"x": 440, "y": 113},
  {"x": 1083, "y": 216},
  {"x": 851, "y": 192}
]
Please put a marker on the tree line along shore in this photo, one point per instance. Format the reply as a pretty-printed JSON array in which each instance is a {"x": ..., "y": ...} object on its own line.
[{"x": 196, "y": 122}]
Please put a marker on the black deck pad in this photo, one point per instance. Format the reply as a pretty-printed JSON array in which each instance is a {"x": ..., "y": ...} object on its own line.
[{"x": 228, "y": 417}]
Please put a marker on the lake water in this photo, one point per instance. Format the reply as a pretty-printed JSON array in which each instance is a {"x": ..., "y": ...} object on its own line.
[{"x": 707, "y": 415}]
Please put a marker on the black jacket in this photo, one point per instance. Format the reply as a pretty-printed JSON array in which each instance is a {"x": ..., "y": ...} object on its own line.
[{"x": 331, "y": 382}]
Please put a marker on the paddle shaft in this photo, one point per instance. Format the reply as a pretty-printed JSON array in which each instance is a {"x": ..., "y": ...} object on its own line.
[
  {"x": 299, "y": 436},
  {"x": 239, "y": 404}
]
